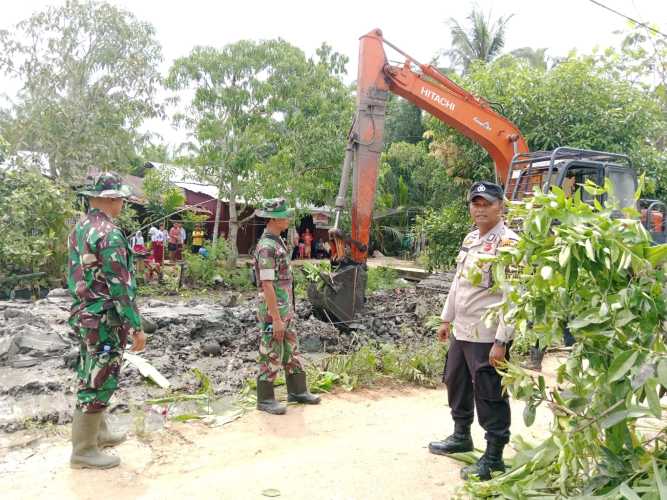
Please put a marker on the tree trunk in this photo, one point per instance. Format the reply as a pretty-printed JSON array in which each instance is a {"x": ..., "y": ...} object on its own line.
[
  {"x": 216, "y": 224},
  {"x": 53, "y": 170},
  {"x": 233, "y": 224}
]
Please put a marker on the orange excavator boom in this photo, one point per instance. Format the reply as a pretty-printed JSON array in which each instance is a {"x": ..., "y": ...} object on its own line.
[{"x": 430, "y": 90}]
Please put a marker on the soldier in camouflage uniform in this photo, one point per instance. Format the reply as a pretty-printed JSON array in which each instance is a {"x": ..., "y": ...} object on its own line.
[
  {"x": 104, "y": 315},
  {"x": 278, "y": 344}
]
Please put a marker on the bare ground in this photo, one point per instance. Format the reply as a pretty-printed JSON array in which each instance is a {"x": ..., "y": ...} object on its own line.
[{"x": 370, "y": 444}]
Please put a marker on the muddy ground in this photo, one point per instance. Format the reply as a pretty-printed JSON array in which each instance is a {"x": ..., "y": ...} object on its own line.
[{"x": 218, "y": 337}]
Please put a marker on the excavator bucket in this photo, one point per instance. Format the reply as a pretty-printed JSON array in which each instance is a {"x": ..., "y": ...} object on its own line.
[{"x": 340, "y": 295}]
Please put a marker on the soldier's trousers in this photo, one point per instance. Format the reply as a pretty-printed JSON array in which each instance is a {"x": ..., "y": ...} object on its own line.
[
  {"x": 273, "y": 355},
  {"x": 472, "y": 382},
  {"x": 98, "y": 368}
]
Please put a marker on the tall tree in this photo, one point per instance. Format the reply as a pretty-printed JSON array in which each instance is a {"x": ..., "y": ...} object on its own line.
[
  {"x": 229, "y": 116},
  {"x": 404, "y": 122},
  {"x": 537, "y": 58},
  {"x": 481, "y": 40},
  {"x": 89, "y": 72},
  {"x": 264, "y": 121},
  {"x": 316, "y": 110},
  {"x": 576, "y": 103}
]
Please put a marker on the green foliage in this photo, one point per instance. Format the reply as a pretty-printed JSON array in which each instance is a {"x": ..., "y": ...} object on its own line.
[
  {"x": 317, "y": 109},
  {"x": 600, "y": 276},
  {"x": 266, "y": 121},
  {"x": 537, "y": 58},
  {"x": 214, "y": 269},
  {"x": 403, "y": 122},
  {"x": 382, "y": 278},
  {"x": 88, "y": 73},
  {"x": 34, "y": 212},
  {"x": 576, "y": 103},
  {"x": 417, "y": 364},
  {"x": 409, "y": 177},
  {"x": 190, "y": 219},
  {"x": 4, "y": 149},
  {"x": 128, "y": 221},
  {"x": 163, "y": 197},
  {"x": 308, "y": 273},
  {"x": 482, "y": 40},
  {"x": 202, "y": 271},
  {"x": 444, "y": 231}
]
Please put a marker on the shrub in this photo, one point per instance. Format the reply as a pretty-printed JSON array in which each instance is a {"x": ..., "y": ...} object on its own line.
[
  {"x": 202, "y": 271},
  {"x": 444, "y": 231},
  {"x": 34, "y": 215},
  {"x": 382, "y": 278}
]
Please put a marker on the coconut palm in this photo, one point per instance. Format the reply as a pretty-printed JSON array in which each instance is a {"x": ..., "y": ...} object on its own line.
[{"x": 480, "y": 40}]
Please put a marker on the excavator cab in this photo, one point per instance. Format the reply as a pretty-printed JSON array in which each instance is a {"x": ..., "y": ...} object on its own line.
[
  {"x": 569, "y": 169},
  {"x": 653, "y": 215}
]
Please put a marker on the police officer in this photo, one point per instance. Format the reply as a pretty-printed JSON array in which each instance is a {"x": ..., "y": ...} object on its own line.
[
  {"x": 104, "y": 316},
  {"x": 278, "y": 344},
  {"x": 476, "y": 348}
]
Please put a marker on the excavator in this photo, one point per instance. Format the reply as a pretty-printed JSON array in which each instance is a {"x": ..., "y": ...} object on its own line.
[{"x": 341, "y": 295}]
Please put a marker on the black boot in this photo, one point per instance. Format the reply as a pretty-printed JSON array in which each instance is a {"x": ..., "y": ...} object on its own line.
[
  {"x": 266, "y": 400},
  {"x": 297, "y": 390},
  {"x": 534, "y": 361},
  {"x": 459, "y": 442},
  {"x": 491, "y": 461}
]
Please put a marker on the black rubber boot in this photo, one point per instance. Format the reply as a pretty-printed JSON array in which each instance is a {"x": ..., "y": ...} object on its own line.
[
  {"x": 459, "y": 442},
  {"x": 85, "y": 451},
  {"x": 491, "y": 461},
  {"x": 534, "y": 361},
  {"x": 297, "y": 390},
  {"x": 106, "y": 437},
  {"x": 266, "y": 400}
]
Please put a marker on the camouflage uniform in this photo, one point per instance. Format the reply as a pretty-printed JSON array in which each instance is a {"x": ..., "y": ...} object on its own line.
[
  {"x": 104, "y": 312},
  {"x": 272, "y": 263}
]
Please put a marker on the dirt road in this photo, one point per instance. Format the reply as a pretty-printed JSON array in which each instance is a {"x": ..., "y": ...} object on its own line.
[{"x": 361, "y": 445}]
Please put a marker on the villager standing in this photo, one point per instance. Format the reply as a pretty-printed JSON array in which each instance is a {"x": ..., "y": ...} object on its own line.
[
  {"x": 197, "y": 239},
  {"x": 476, "y": 347},
  {"x": 174, "y": 240},
  {"x": 182, "y": 240},
  {"x": 104, "y": 316},
  {"x": 278, "y": 345},
  {"x": 158, "y": 238}
]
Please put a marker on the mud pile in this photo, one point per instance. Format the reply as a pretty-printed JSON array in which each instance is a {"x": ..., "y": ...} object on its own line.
[{"x": 38, "y": 349}]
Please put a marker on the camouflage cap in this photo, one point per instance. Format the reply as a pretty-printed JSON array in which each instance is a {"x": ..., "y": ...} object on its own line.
[
  {"x": 108, "y": 185},
  {"x": 275, "y": 209}
]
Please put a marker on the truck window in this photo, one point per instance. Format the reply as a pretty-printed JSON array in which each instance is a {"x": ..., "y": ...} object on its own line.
[
  {"x": 624, "y": 186},
  {"x": 577, "y": 176}
]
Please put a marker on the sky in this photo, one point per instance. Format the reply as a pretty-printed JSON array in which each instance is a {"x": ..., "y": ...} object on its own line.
[{"x": 418, "y": 27}]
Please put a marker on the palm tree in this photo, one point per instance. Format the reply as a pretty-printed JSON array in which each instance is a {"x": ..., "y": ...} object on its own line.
[{"x": 482, "y": 40}]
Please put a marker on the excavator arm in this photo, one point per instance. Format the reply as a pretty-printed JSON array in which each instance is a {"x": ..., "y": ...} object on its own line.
[{"x": 428, "y": 89}]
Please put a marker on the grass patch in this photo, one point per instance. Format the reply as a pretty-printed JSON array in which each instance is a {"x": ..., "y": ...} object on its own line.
[
  {"x": 419, "y": 365},
  {"x": 383, "y": 278}
]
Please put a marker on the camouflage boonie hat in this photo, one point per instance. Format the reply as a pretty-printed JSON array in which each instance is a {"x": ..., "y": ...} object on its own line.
[
  {"x": 275, "y": 209},
  {"x": 108, "y": 185}
]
